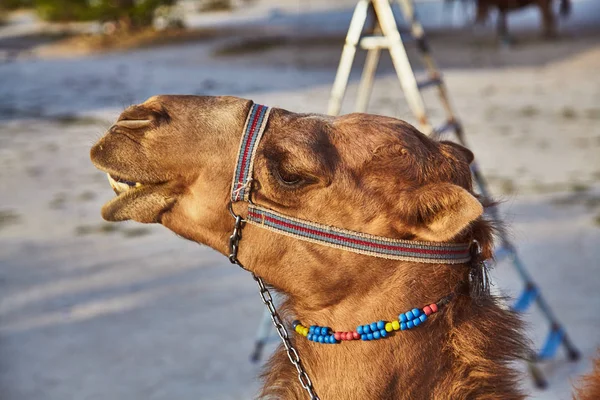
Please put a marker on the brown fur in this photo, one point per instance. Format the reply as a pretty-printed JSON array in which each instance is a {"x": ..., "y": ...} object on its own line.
[
  {"x": 504, "y": 6},
  {"x": 361, "y": 172},
  {"x": 590, "y": 384}
]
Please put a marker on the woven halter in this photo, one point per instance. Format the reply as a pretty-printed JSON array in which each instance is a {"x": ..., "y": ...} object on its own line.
[{"x": 357, "y": 242}]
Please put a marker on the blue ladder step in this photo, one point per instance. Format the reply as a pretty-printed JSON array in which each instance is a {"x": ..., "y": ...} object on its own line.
[
  {"x": 553, "y": 341},
  {"x": 529, "y": 294}
]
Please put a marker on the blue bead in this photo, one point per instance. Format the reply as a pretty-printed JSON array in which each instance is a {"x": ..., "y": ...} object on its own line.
[
  {"x": 409, "y": 315},
  {"x": 321, "y": 339},
  {"x": 423, "y": 317},
  {"x": 416, "y": 312},
  {"x": 369, "y": 336},
  {"x": 380, "y": 325},
  {"x": 324, "y": 330},
  {"x": 366, "y": 329},
  {"x": 416, "y": 321},
  {"x": 376, "y": 335},
  {"x": 409, "y": 325},
  {"x": 311, "y": 329},
  {"x": 403, "y": 326},
  {"x": 332, "y": 339},
  {"x": 373, "y": 326},
  {"x": 401, "y": 318},
  {"x": 363, "y": 337},
  {"x": 309, "y": 337},
  {"x": 383, "y": 333},
  {"x": 359, "y": 329}
]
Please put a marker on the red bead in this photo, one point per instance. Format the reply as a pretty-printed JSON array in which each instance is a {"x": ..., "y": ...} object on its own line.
[
  {"x": 434, "y": 307},
  {"x": 427, "y": 310},
  {"x": 355, "y": 335},
  {"x": 347, "y": 336},
  {"x": 338, "y": 335}
]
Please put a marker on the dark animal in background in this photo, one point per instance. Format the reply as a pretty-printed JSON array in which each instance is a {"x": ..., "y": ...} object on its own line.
[{"x": 504, "y": 6}]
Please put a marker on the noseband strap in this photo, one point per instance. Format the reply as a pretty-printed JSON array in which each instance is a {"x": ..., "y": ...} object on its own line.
[{"x": 357, "y": 242}]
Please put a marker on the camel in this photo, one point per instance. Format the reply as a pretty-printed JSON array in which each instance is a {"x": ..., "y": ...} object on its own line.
[
  {"x": 504, "y": 6},
  {"x": 172, "y": 160}
]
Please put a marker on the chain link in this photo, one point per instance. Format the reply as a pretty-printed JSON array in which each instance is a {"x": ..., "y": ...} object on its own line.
[{"x": 267, "y": 299}]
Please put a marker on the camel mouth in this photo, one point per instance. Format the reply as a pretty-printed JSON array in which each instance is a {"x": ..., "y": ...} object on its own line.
[{"x": 139, "y": 201}]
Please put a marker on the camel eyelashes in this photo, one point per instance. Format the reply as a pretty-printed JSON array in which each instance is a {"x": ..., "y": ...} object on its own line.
[
  {"x": 287, "y": 178},
  {"x": 134, "y": 123}
]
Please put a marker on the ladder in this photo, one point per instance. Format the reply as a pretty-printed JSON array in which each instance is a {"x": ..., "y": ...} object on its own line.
[{"x": 385, "y": 35}]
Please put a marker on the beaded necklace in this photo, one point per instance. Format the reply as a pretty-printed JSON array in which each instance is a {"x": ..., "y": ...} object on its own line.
[{"x": 373, "y": 331}]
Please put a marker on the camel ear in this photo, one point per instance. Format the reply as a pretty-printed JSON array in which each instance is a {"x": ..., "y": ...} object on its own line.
[
  {"x": 438, "y": 212},
  {"x": 457, "y": 150}
]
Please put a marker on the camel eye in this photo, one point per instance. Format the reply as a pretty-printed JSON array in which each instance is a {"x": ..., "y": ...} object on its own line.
[{"x": 287, "y": 178}]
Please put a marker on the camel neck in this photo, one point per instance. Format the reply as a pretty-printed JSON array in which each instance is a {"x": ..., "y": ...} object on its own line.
[{"x": 385, "y": 292}]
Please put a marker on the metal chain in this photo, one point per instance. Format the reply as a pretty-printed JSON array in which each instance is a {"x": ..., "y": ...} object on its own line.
[{"x": 267, "y": 299}]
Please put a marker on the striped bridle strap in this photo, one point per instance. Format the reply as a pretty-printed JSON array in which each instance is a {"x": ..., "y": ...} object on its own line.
[
  {"x": 253, "y": 131},
  {"x": 357, "y": 242}
]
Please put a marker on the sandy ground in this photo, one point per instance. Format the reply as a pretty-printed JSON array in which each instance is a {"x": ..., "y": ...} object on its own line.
[{"x": 90, "y": 310}]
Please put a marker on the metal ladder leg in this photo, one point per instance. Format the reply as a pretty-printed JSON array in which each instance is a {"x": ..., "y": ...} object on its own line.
[
  {"x": 572, "y": 352},
  {"x": 417, "y": 31},
  {"x": 262, "y": 336},
  {"x": 343, "y": 72},
  {"x": 366, "y": 81},
  {"x": 406, "y": 76}
]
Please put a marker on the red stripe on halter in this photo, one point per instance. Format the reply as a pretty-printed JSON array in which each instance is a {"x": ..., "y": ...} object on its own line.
[{"x": 249, "y": 143}]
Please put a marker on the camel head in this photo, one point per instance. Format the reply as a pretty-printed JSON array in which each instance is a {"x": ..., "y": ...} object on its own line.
[{"x": 171, "y": 160}]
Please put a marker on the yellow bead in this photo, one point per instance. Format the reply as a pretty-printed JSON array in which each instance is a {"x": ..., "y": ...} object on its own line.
[
  {"x": 395, "y": 325},
  {"x": 389, "y": 327},
  {"x": 305, "y": 332},
  {"x": 298, "y": 328}
]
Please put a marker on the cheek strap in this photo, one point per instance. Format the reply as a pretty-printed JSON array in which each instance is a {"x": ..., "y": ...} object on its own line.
[{"x": 253, "y": 131}]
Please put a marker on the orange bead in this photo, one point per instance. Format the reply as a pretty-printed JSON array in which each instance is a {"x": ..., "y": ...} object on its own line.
[
  {"x": 434, "y": 307},
  {"x": 427, "y": 310}
]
